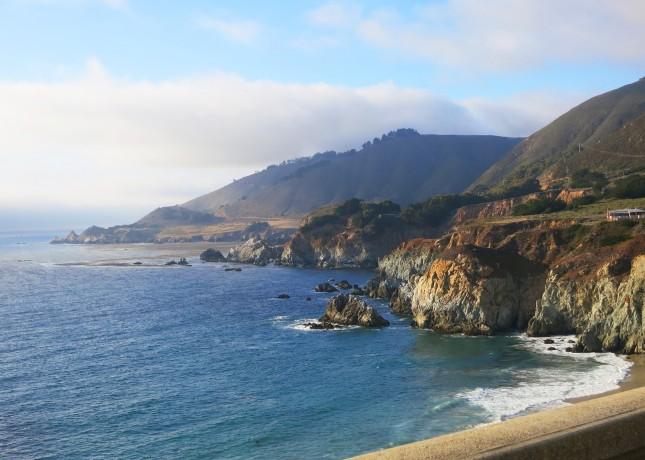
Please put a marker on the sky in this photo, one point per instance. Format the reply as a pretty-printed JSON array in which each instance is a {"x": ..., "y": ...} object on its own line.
[{"x": 111, "y": 108}]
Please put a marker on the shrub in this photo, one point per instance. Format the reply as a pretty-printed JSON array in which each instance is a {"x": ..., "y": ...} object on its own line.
[
  {"x": 318, "y": 222},
  {"x": 584, "y": 178},
  {"x": 434, "y": 211},
  {"x": 588, "y": 199},
  {"x": 610, "y": 240},
  {"x": 573, "y": 233},
  {"x": 630, "y": 187},
  {"x": 538, "y": 206},
  {"x": 526, "y": 187}
]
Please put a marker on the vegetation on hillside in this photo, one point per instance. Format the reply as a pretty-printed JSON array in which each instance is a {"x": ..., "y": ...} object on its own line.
[
  {"x": 372, "y": 218},
  {"x": 436, "y": 210},
  {"x": 603, "y": 134},
  {"x": 539, "y": 206},
  {"x": 584, "y": 178},
  {"x": 629, "y": 187}
]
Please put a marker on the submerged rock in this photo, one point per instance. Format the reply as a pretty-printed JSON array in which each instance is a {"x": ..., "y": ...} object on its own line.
[
  {"x": 325, "y": 287},
  {"x": 344, "y": 284},
  {"x": 350, "y": 310},
  {"x": 323, "y": 325},
  {"x": 283, "y": 296}
]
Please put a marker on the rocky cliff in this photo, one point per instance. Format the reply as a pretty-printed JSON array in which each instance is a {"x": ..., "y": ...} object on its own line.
[
  {"x": 598, "y": 296},
  {"x": 353, "y": 234},
  {"x": 477, "y": 290},
  {"x": 545, "y": 277}
]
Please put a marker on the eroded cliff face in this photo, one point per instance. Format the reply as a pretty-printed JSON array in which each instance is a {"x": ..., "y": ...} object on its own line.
[
  {"x": 477, "y": 290},
  {"x": 349, "y": 248},
  {"x": 599, "y": 298},
  {"x": 548, "y": 277},
  {"x": 399, "y": 271}
]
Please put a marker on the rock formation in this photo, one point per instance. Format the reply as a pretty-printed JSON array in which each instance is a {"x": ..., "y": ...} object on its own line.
[
  {"x": 253, "y": 251},
  {"x": 349, "y": 310},
  {"x": 212, "y": 255},
  {"x": 477, "y": 290},
  {"x": 603, "y": 303}
]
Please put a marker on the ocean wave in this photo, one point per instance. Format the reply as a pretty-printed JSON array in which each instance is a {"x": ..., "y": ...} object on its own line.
[
  {"x": 543, "y": 388},
  {"x": 301, "y": 325}
]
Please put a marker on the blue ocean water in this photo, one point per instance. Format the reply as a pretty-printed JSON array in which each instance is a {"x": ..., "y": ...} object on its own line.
[{"x": 196, "y": 362}]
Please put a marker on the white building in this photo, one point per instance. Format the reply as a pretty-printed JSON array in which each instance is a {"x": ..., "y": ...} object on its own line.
[{"x": 622, "y": 214}]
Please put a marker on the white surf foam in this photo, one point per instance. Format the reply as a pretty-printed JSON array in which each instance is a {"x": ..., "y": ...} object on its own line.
[
  {"x": 301, "y": 325},
  {"x": 542, "y": 388}
]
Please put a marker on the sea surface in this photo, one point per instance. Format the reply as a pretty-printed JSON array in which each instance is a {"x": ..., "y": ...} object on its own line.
[{"x": 136, "y": 362}]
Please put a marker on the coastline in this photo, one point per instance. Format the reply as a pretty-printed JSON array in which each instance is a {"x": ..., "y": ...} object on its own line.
[
  {"x": 568, "y": 430},
  {"x": 611, "y": 426},
  {"x": 635, "y": 379}
]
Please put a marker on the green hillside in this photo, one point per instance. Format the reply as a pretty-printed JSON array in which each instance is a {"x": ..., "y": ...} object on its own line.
[{"x": 604, "y": 134}]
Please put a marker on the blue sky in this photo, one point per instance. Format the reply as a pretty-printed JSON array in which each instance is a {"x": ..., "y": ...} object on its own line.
[
  {"x": 120, "y": 106},
  {"x": 159, "y": 40}
]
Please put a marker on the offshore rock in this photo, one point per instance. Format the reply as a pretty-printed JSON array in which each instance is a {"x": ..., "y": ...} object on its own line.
[
  {"x": 325, "y": 287},
  {"x": 253, "y": 251},
  {"x": 212, "y": 255},
  {"x": 350, "y": 310}
]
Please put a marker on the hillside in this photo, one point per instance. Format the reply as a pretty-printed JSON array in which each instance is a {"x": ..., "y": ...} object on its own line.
[
  {"x": 403, "y": 166},
  {"x": 604, "y": 134},
  {"x": 171, "y": 216}
]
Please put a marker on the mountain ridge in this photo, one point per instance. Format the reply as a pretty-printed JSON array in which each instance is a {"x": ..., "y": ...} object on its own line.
[
  {"x": 403, "y": 166},
  {"x": 573, "y": 139}
]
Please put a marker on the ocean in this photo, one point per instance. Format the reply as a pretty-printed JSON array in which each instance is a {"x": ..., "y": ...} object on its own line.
[{"x": 196, "y": 362}]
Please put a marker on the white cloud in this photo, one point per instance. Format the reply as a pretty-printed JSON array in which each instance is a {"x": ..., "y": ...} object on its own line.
[
  {"x": 505, "y": 34},
  {"x": 99, "y": 141},
  {"x": 243, "y": 31},
  {"x": 335, "y": 14}
]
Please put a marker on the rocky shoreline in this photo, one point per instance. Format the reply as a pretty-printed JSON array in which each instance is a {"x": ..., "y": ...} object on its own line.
[{"x": 546, "y": 278}]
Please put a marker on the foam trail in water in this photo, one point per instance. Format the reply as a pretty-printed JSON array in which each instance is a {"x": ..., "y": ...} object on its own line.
[{"x": 544, "y": 388}]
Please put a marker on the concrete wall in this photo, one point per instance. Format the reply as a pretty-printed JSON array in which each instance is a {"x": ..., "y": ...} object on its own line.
[{"x": 603, "y": 428}]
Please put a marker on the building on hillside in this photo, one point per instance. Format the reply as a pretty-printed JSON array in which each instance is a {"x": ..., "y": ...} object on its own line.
[{"x": 623, "y": 214}]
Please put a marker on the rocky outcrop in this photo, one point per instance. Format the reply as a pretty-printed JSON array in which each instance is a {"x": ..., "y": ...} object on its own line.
[
  {"x": 349, "y": 310},
  {"x": 212, "y": 255},
  {"x": 253, "y": 251},
  {"x": 146, "y": 230},
  {"x": 352, "y": 234},
  {"x": 568, "y": 196},
  {"x": 399, "y": 271},
  {"x": 504, "y": 207},
  {"x": 344, "y": 250},
  {"x": 477, "y": 290},
  {"x": 325, "y": 287},
  {"x": 603, "y": 303}
]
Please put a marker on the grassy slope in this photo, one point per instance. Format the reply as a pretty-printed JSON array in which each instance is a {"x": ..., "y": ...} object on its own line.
[
  {"x": 593, "y": 211},
  {"x": 612, "y": 122}
]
